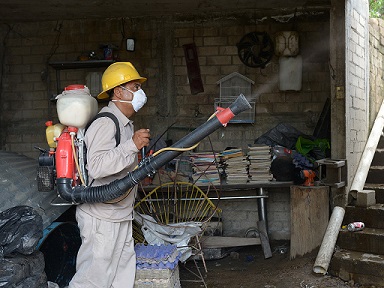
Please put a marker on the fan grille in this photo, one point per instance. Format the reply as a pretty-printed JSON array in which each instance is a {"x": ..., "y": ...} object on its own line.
[{"x": 255, "y": 49}]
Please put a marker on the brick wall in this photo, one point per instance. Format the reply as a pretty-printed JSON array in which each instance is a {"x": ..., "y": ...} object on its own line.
[
  {"x": 29, "y": 83},
  {"x": 240, "y": 217},
  {"x": 376, "y": 58},
  {"x": 357, "y": 83},
  {"x": 218, "y": 58}
]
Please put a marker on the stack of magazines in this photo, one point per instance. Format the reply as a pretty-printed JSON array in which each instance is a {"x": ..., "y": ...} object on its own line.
[
  {"x": 260, "y": 159},
  {"x": 205, "y": 167},
  {"x": 235, "y": 166}
]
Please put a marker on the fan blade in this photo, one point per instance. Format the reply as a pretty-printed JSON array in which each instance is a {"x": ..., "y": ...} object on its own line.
[
  {"x": 248, "y": 58},
  {"x": 257, "y": 60},
  {"x": 255, "y": 49},
  {"x": 254, "y": 37},
  {"x": 265, "y": 54},
  {"x": 243, "y": 45}
]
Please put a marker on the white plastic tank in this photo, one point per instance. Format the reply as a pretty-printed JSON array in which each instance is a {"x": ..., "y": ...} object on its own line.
[
  {"x": 290, "y": 73},
  {"x": 75, "y": 106}
]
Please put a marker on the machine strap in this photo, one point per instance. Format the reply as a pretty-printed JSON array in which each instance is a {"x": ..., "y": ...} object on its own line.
[{"x": 114, "y": 118}]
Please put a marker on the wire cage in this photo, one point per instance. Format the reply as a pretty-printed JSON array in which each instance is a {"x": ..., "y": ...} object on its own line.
[
  {"x": 231, "y": 86},
  {"x": 247, "y": 116}
]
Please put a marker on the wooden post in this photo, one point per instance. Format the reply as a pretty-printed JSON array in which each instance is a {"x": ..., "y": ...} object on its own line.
[{"x": 309, "y": 218}]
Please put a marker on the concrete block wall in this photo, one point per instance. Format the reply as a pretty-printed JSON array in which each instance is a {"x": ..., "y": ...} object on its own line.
[
  {"x": 357, "y": 83},
  {"x": 241, "y": 216},
  {"x": 216, "y": 45},
  {"x": 29, "y": 82},
  {"x": 376, "y": 58}
]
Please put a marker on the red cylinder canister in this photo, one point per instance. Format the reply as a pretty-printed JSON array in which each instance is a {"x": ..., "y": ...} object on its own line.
[{"x": 64, "y": 156}]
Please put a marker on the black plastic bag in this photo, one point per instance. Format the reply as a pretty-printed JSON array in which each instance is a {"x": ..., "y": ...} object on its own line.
[
  {"x": 23, "y": 271},
  {"x": 21, "y": 228},
  {"x": 282, "y": 134},
  {"x": 283, "y": 169}
]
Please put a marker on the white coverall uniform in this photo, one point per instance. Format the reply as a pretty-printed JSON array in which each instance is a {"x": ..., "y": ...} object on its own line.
[{"x": 106, "y": 258}]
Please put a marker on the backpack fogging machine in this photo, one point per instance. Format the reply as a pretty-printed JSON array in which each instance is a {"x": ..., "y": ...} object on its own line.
[{"x": 63, "y": 168}]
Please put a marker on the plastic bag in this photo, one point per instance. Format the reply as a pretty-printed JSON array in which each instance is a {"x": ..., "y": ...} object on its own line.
[
  {"x": 278, "y": 151},
  {"x": 312, "y": 148},
  {"x": 23, "y": 271},
  {"x": 21, "y": 228},
  {"x": 283, "y": 168},
  {"x": 282, "y": 134}
]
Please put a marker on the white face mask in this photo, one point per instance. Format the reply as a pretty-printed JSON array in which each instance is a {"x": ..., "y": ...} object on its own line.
[{"x": 138, "y": 101}]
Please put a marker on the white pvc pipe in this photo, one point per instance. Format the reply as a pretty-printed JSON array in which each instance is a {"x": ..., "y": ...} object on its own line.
[
  {"x": 329, "y": 241},
  {"x": 369, "y": 151}
]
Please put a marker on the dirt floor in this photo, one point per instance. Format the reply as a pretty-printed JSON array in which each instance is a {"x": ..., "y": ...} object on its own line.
[{"x": 246, "y": 267}]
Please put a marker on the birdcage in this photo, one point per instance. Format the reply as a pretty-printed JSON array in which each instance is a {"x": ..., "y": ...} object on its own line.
[{"x": 231, "y": 86}]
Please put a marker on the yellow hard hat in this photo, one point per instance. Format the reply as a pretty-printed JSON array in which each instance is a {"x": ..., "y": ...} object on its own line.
[{"x": 116, "y": 74}]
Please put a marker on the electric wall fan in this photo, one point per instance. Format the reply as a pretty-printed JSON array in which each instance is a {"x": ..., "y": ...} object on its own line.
[{"x": 255, "y": 49}]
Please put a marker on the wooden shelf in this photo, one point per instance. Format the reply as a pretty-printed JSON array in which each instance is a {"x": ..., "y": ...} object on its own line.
[
  {"x": 80, "y": 64},
  {"x": 65, "y": 65}
]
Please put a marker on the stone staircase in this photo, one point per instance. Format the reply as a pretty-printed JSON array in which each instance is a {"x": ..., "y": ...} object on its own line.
[
  {"x": 359, "y": 256},
  {"x": 375, "y": 177}
]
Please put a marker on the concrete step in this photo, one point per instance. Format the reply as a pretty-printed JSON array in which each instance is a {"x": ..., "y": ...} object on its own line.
[
  {"x": 372, "y": 216},
  {"x": 380, "y": 145},
  {"x": 369, "y": 240},
  {"x": 379, "y": 191},
  {"x": 375, "y": 175},
  {"x": 378, "y": 158},
  {"x": 362, "y": 268}
]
